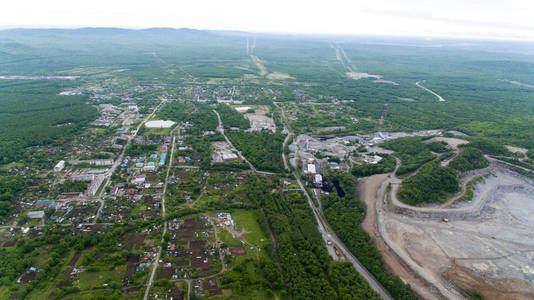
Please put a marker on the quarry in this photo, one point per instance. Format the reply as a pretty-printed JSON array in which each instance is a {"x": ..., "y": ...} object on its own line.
[{"x": 485, "y": 244}]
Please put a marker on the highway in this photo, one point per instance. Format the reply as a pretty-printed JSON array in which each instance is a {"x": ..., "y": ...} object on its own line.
[{"x": 328, "y": 234}]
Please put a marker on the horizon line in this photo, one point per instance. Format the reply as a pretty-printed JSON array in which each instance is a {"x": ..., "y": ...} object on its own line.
[{"x": 321, "y": 34}]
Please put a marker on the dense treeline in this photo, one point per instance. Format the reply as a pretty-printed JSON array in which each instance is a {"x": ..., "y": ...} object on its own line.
[
  {"x": 527, "y": 163},
  {"x": 201, "y": 116},
  {"x": 201, "y": 148},
  {"x": 412, "y": 152},
  {"x": 530, "y": 153},
  {"x": 32, "y": 114},
  {"x": 10, "y": 187},
  {"x": 250, "y": 275},
  {"x": 138, "y": 149},
  {"x": 232, "y": 118},
  {"x": 386, "y": 165},
  {"x": 262, "y": 148},
  {"x": 345, "y": 214},
  {"x": 432, "y": 183},
  {"x": 204, "y": 119},
  {"x": 487, "y": 146},
  {"x": 73, "y": 186},
  {"x": 307, "y": 270},
  {"x": 469, "y": 159}
]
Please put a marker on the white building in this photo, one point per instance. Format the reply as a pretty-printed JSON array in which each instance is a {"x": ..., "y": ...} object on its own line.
[
  {"x": 311, "y": 169},
  {"x": 36, "y": 214},
  {"x": 95, "y": 184},
  {"x": 139, "y": 179},
  {"x": 60, "y": 165},
  {"x": 318, "y": 179}
]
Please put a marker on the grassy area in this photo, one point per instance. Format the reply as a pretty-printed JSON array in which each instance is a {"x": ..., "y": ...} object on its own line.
[
  {"x": 156, "y": 131},
  {"x": 90, "y": 280},
  {"x": 4, "y": 292},
  {"x": 227, "y": 238},
  {"x": 137, "y": 209},
  {"x": 248, "y": 220},
  {"x": 6, "y": 167}
]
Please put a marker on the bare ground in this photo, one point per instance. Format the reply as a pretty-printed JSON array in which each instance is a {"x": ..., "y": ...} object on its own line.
[{"x": 368, "y": 189}]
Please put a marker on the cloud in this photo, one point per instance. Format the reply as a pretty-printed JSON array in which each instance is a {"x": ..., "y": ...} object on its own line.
[{"x": 489, "y": 18}]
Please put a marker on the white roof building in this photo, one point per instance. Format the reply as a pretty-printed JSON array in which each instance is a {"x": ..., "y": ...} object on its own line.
[
  {"x": 60, "y": 165},
  {"x": 318, "y": 179}
]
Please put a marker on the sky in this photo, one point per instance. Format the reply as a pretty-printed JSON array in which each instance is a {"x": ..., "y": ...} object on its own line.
[{"x": 501, "y": 19}]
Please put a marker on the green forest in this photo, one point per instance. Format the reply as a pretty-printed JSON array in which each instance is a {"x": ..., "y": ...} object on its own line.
[
  {"x": 469, "y": 159},
  {"x": 432, "y": 183},
  {"x": 33, "y": 114},
  {"x": 413, "y": 152},
  {"x": 232, "y": 118},
  {"x": 386, "y": 165},
  {"x": 345, "y": 212},
  {"x": 262, "y": 148},
  {"x": 308, "y": 272}
]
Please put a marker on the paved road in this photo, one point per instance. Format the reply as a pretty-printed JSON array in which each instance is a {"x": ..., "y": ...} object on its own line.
[
  {"x": 328, "y": 235},
  {"x": 220, "y": 128},
  {"x": 163, "y": 214},
  {"x": 118, "y": 161},
  {"x": 430, "y": 91}
]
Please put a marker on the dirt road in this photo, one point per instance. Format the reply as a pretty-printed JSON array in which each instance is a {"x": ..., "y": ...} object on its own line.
[
  {"x": 429, "y": 90},
  {"x": 220, "y": 128},
  {"x": 372, "y": 189}
]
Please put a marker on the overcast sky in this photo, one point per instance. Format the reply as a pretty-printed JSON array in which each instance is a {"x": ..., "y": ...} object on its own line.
[{"x": 471, "y": 18}]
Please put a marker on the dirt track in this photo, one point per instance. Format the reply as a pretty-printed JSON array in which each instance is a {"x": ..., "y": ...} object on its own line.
[{"x": 370, "y": 190}]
